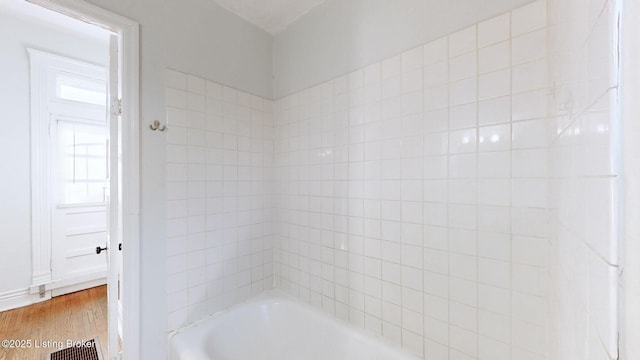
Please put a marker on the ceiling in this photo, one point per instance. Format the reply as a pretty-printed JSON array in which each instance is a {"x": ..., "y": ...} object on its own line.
[{"x": 271, "y": 15}]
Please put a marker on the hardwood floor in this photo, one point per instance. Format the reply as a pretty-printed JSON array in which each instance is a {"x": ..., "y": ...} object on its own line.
[{"x": 77, "y": 316}]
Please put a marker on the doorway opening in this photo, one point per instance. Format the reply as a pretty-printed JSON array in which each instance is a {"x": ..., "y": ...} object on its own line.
[
  {"x": 70, "y": 172},
  {"x": 73, "y": 207}
]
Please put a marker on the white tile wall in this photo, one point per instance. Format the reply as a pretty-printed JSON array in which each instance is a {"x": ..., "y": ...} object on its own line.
[
  {"x": 219, "y": 196},
  {"x": 412, "y": 195},
  {"x": 584, "y": 187}
]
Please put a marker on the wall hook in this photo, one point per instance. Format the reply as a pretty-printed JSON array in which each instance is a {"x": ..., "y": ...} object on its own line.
[{"x": 156, "y": 126}]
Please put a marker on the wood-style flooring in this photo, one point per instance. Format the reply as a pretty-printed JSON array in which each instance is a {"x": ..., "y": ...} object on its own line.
[{"x": 77, "y": 316}]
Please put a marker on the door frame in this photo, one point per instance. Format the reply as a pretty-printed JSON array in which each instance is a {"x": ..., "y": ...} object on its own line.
[{"x": 128, "y": 33}]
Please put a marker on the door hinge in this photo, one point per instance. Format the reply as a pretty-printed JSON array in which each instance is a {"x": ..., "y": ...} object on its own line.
[{"x": 117, "y": 107}]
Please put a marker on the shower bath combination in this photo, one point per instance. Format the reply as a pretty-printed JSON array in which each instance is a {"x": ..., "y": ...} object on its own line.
[{"x": 450, "y": 200}]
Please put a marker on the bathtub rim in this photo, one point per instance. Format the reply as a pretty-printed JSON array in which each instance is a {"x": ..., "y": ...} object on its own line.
[{"x": 275, "y": 296}]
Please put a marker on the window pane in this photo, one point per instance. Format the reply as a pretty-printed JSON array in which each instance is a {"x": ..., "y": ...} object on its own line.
[
  {"x": 86, "y": 90},
  {"x": 82, "y": 171}
]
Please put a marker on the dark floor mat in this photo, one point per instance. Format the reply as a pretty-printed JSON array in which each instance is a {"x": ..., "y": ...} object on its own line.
[{"x": 87, "y": 350}]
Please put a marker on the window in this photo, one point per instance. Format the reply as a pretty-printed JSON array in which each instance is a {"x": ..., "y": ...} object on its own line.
[
  {"x": 81, "y": 89},
  {"x": 82, "y": 162}
]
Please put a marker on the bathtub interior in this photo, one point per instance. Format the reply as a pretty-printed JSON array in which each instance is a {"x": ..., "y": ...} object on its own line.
[{"x": 274, "y": 326}]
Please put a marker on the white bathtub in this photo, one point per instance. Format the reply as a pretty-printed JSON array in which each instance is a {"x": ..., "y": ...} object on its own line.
[{"x": 276, "y": 327}]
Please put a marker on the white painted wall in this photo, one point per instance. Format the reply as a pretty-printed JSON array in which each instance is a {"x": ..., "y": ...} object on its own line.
[
  {"x": 213, "y": 43},
  {"x": 16, "y": 34},
  {"x": 340, "y": 36}
]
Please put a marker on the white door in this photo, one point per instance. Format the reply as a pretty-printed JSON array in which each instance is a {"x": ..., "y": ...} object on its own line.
[
  {"x": 78, "y": 156},
  {"x": 79, "y": 214},
  {"x": 114, "y": 203}
]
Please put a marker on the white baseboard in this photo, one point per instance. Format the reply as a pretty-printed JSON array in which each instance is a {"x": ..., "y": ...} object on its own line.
[
  {"x": 15, "y": 299},
  {"x": 62, "y": 289},
  {"x": 18, "y": 298}
]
